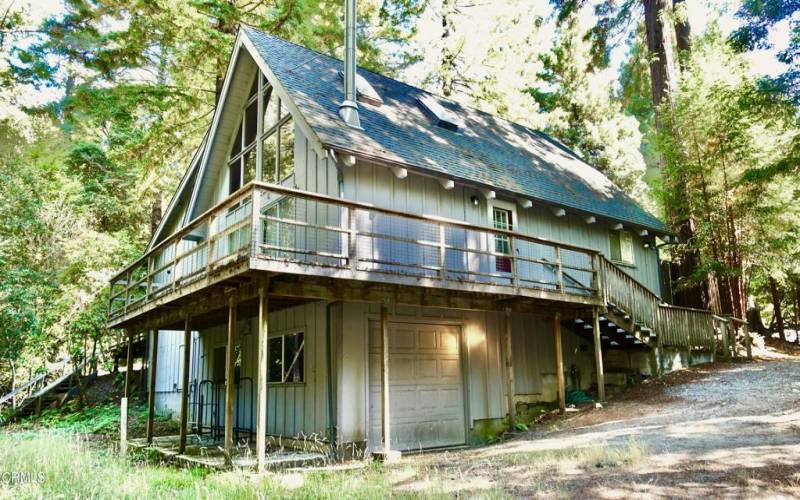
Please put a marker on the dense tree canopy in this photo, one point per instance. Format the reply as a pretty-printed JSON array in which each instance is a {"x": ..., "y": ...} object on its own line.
[{"x": 671, "y": 112}]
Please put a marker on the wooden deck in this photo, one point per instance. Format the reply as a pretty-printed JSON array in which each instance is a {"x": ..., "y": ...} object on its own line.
[{"x": 316, "y": 247}]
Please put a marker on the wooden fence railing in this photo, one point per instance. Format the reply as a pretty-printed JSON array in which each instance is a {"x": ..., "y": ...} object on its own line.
[
  {"x": 35, "y": 384},
  {"x": 675, "y": 326}
]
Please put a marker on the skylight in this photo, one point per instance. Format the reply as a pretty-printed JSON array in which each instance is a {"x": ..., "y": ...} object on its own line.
[
  {"x": 442, "y": 116},
  {"x": 364, "y": 90}
]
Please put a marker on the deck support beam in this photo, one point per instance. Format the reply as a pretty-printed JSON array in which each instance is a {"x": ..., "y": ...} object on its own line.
[
  {"x": 129, "y": 364},
  {"x": 386, "y": 454},
  {"x": 598, "y": 355},
  {"x": 512, "y": 409},
  {"x": 562, "y": 403},
  {"x": 151, "y": 393},
  {"x": 187, "y": 351},
  {"x": 230, "y": 360},
  {"x": 261, "y": 377},
  {"x": 386, "y": 425}
]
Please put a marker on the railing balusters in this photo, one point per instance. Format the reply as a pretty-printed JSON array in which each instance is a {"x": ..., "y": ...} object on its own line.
[
  {"x": 608, "y": 282},
  {"x": 559, "y": 271},
  {"x": 352, "y": 239},
  {"x": 442, "y": 254},
  {"x": 255, "y": 229}
]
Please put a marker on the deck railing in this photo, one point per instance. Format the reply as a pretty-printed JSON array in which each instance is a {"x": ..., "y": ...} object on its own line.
[
  {"x": 358, "y": 241},
  {"x": 310, "y": 233},
  {"x": 675, "y": 326}
]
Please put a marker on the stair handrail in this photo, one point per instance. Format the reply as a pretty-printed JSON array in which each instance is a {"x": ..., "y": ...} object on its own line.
[
  {"x": 44, "y": 390},
  {"x": 33, "y": 381},
  {"x": 673, "y": 325}
]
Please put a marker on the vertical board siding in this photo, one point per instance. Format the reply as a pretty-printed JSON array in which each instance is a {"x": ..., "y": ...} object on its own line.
[
  {"x": 417, "y": 194},
  {"x": 294, "y": 410}
]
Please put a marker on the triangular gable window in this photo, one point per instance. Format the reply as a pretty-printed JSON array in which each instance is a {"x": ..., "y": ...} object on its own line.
[{"x": 275, "y": 145}]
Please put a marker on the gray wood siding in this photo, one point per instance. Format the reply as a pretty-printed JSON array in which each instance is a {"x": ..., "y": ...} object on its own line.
[
  {"x": 482, "y": 361},
  {"x": 298, "y": 409},
  {"x": 417, "y": 194}
]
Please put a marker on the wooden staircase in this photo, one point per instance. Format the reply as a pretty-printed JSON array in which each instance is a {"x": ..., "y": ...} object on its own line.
[
  {"x": 47, "y": 390},
  {"x": 635, "y": 317}
]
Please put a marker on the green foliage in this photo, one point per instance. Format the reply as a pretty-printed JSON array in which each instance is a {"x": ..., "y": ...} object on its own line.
[
  {"x": 759, "y": 17},
  {"x": 75, "y": 468},
  {"x": 583, "y": 113},
  {"x": 136, "y": 85},
  {"x": 720, "y": 143}
]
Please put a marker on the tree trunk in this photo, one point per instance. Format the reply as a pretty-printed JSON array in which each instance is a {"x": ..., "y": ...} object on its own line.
[
  {"x": 79, "y": 382},
  {"x": 797, "y": 312},
  {"x": 659, "y": 43},
  {"x": 755, "y": 323},
  {"x": 93, "y": 362},
  {"x": 683, "y": 34},
  {"x": 447, "y": 66},
  {"x": 776, "y": 305},
  {"x": 663, "y": 79}
]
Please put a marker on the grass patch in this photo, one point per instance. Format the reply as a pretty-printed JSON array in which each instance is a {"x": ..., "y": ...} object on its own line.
[
  {"x": 64, "y": 465},
  {"x": 101, "y": 419},
  {"x": 588, "y": 457}
]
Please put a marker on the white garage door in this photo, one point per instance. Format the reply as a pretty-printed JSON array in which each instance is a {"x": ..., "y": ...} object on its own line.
[{"x": 426, "y": 388}]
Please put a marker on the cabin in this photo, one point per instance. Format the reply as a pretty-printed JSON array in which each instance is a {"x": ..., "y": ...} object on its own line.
[{"x": 355, "y": 262}]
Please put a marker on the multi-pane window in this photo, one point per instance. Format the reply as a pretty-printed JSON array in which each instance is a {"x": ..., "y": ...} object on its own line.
[
  {"x": 286, "y": 358},
  {"x": 276, "y": 140},
  {"x": 502, "y": 219},
  {"x": 621, "y": 246}
]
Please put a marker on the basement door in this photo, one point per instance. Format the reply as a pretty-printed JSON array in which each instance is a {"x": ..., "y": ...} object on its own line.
[{"x": 426, "y": 386}]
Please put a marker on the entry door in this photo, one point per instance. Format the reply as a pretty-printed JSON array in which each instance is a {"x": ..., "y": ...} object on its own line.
[{"x": 426, "y": 387}]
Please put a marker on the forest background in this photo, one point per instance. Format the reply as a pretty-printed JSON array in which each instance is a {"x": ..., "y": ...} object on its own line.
[{"x": 690, "y": 106}]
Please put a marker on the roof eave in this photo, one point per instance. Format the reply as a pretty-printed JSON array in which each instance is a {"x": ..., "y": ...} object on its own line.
[{"x": 391, "y": 162}]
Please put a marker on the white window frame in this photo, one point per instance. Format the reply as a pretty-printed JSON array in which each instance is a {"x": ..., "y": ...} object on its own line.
[
  {"x": 510, "y": 207},
  {"x": 505, "y": 205},
  {"x": 282, "y": 335},
  {"x": 627, "y": 253}
]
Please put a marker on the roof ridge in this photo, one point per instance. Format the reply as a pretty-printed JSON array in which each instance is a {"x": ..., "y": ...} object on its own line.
[
  {"x": 494, "y": 153},
  {"x": 419, "y": 89}
]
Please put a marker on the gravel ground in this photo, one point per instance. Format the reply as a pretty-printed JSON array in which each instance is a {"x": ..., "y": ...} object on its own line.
[{"x": 727, "y": 430}]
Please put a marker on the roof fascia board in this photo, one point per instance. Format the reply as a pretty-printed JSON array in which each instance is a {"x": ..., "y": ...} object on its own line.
[
  {"x": 174, "y": 202},
  {"x": 309, "y": 132},
  {"x": 215, "y": 123}
]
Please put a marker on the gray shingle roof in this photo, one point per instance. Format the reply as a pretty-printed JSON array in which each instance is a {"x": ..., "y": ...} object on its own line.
[{"x": 488, "y": 150}]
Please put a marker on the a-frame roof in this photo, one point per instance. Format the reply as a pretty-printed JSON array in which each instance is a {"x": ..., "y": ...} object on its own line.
[{"x": 487, "y": 151}]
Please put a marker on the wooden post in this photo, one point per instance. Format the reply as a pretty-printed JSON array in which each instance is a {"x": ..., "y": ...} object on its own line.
[
  {"x": 598, "y": 355},
  {"x": 562, "y": 404},
  {"x": 123, "y": 426},
  {"x": 559, "y": 271},
  {"x": 230, "y": 360},
  {"x": 261, "y": 376},
  {"x": 187, "y": 348},
  {"x": 151, "y": 394},
  {"x": 385, "y": 410},
  {"x": 723, "y": 326},
  {"x": 129, "y": 365},
  {"x": 442, "y": 254},
  {"x": 386, "y": 427},
  {"x": 512, "y": 409},
  {"x": 352, "y": 240},
  {"x": 748, "y": 344}
]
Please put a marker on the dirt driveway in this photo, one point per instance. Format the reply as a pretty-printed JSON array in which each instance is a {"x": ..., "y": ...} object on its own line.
[{"x": 723, "y": 430}]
